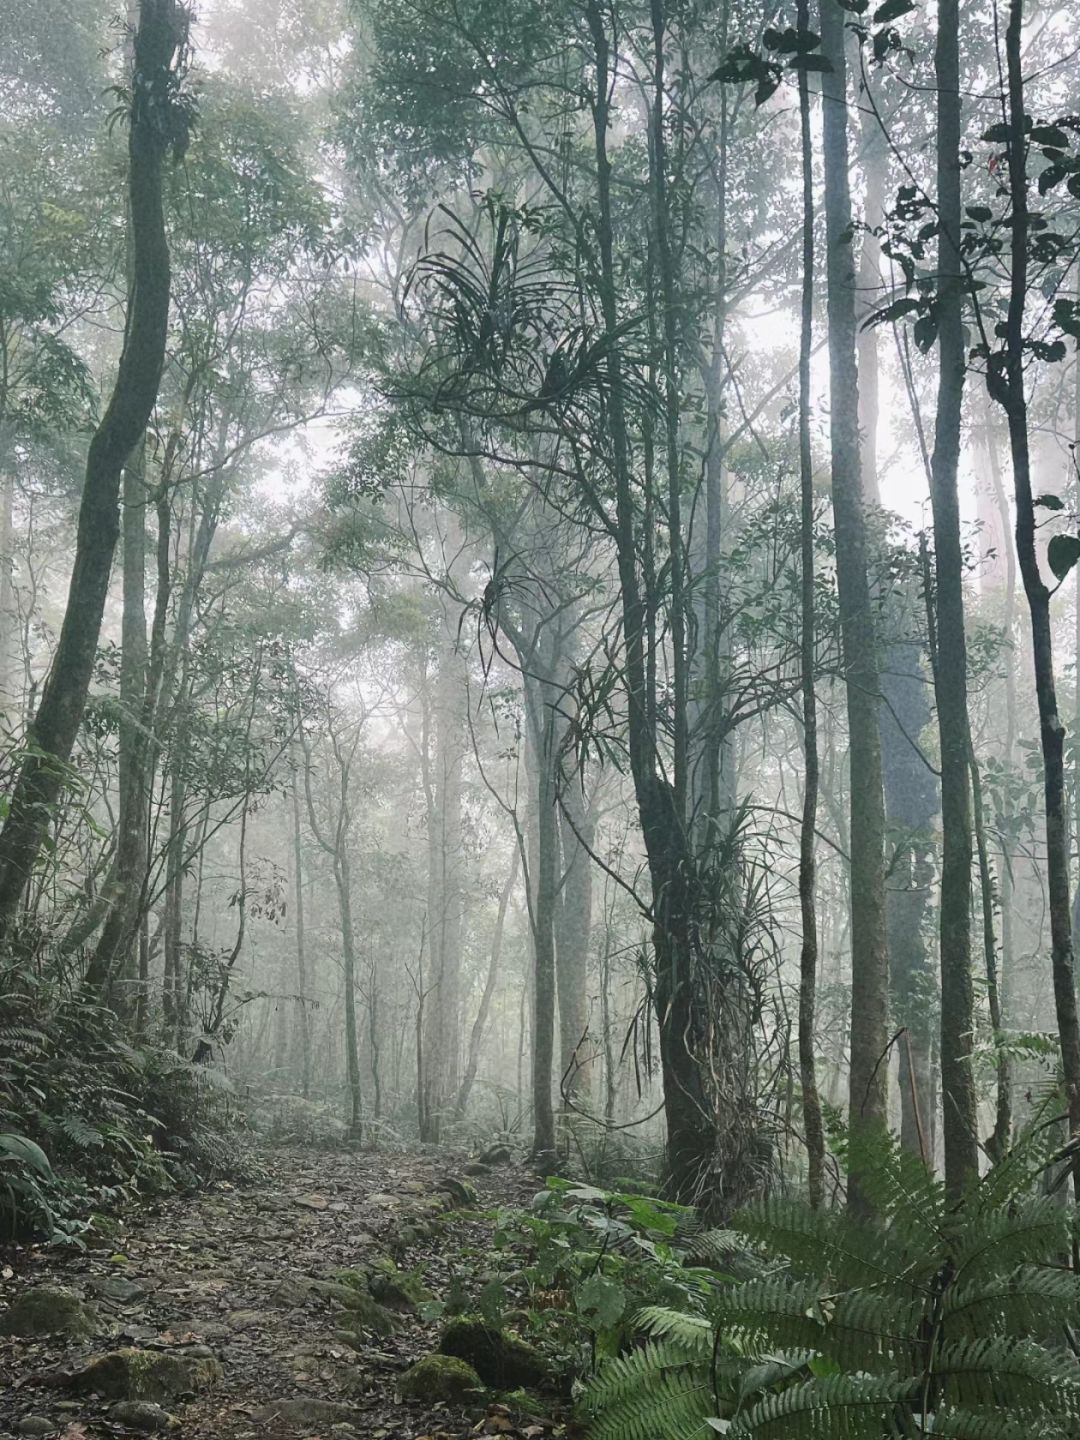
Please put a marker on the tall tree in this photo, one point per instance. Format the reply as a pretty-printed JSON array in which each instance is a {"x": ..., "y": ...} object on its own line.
[
  {"x": 868, "y": 1087},
  {"x": 159, "y": 120},
  {"x": 959, "y": 1117}
]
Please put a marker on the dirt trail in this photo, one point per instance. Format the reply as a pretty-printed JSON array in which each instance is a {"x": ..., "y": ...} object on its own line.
[{"x": 246, "y": 1281}]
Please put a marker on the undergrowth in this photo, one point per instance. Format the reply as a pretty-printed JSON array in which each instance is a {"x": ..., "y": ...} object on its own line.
[{"x": 90, "y": 1120}]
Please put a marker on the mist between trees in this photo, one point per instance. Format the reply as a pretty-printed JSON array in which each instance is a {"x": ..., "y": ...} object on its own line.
[{"x": 536, "y": 580}]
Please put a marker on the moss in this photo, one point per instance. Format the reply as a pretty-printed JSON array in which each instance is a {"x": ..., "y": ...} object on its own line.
[
  {"x": 152, "y": 1375},
  {"x": 398, "y": 1289},
  {"x": 500, "y": 1358},
  {"x": 48, "y": 1310},
  {"x": 364, "y": 1312},
  {"x": 440, "y": 1377}
]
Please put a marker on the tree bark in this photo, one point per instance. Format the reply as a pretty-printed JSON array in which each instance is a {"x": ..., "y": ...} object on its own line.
[
  {"x": 476, "y": 1036},
  {"x": 154, "y": 124},
  {"x": 868, "y": 1088},
  {"x": 813, "y": 1128},
  {"x": 959, "y": 1106},
  {"x": 1006, "y": 382}
]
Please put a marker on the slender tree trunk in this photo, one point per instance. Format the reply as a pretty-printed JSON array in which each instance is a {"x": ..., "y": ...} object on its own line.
[
  {"x": 161, "y": 36},
  {"x": 480, "y": 1023},
  {"x": 868, "y": 1087},
  {"x": 1006, "y": 381},
  {"x": 304, "y": 1022},
  {"x": 690, "y": 1123},
  {"x": 573, "y": 935},
  {"x": 808, "y": 961},
  {"x": 116, "y": 953},
  {"x": 959, "y": 1107}
]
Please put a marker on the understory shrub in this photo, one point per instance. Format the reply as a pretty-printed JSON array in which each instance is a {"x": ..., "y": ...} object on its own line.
[
  {"x": 932, "y": 1318},
  {"x": 90, "y": 1119}
]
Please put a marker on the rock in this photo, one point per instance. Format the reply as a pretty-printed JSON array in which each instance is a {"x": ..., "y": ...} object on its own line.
[
  {"x": 117, "y": 1288},
  {"x": 247, "y": 1320},
  {"x": 293, "y": 1290},
  {"x": 36, "y": 1425},
  {"x": 48, "y": 1310},
  {"x": 380, "y": 1197},
  {"x": 476, "y": 1167},
  {"x": 414, "y": 1187},
  {"x": 461, "y": 1193},
  {"x": 304, "y": 1413},
  {"x": 155, "y": 1375},
  {"x": 312, "y": 1202},
  {"x": 496, "y": 1155},
  {"x": 396, "y": 1289},
  {"x": 500, "y": 1358},
  {"x": 365, "y": 1313},
  {"x": 142, "y": 1415},
  {"x": 440, "y": 1377}
]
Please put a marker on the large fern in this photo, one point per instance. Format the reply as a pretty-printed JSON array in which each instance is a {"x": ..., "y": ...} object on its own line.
[{"x": 932, "y": 1319}]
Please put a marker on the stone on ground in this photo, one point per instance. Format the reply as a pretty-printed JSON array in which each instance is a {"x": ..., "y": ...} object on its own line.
[
  {"x": 500, "y": 1358},
  {"x": 48, "y": 1310},
  {"x": 142, "y": 1415},
  {"x": 304, "y": 1412},
  {"x": 154, "y": 1375},
  {"x": 440, "y": 1377}
]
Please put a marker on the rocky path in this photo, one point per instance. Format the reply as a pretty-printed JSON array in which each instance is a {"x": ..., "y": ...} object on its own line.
[{"x": 293, "y": 1307}]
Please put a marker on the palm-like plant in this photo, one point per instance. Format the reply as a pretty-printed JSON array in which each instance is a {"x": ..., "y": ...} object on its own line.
[{"x": 932, "y": 1319}]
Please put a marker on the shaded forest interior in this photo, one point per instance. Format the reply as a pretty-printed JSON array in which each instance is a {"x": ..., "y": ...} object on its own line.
[{"x": 539, "y": 666}]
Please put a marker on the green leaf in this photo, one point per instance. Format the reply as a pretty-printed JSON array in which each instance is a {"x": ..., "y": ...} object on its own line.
[
  {"x": 925, "y": 332},
  {"x": 996, "y": 133},
  {"x": 601, "y": 1302},
  {"x": 1049, "y": 502},
  {"x": 1049, "y": 135},
  {"x": 1063, "y": 553},
  {"x": 1051, "y": 176},
  {"x": 20, "y": 1148},
  {"x": 980, "y": 213},
  {"x": 892, "y": 10}
]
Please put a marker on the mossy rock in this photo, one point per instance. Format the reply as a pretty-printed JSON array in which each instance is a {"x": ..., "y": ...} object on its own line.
[
  {"x": 501, "y": 1359},
  {"x": 155, "y": 1375},
  {"x": 364, "y": 1312},
  {"x": 304, "y": 1413},
  {"x": 440, "y": 1377},
  {"x": 142, "y": 1415},
  {"x": 496, "y": 1155},
  {"x": 396, "y": 1289},
  {"x": 48, "y": 1310}
]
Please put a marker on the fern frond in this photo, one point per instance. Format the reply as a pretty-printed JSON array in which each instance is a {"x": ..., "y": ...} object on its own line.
[
  {"x": 692, "y": 1333},
  {"x": 778, "y": 1313},
  {"x": 82, "y": 1135},
  {"x": 831, "y": 1247},
  {"x": 1033, "y": 1231},
  {"x": 896, "y": 1183},
  {"x": 1019, "y": 1376},
  {"x": 623, "y": 1376},
  {"x": 840, "y": 1407},
  {"x": 962, "y": 1424},
  {"x": 1025, "y": 1302},
  {"x": 875, "y": 1332},
  {"x": 674, "y": 1407}
]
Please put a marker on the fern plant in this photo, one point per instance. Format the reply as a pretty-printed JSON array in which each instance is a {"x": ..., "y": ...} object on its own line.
[{"x": 931, "y": 1319}]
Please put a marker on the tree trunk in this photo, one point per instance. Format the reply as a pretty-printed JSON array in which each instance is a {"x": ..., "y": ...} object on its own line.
[
  {"x": 155, "y": 119},
  {"x": 814, "y": 1133},
  {"x": 304, "y": 1026},
  {"x": 959, "y": 1107},
  {"x": 573, "y": 936},
  {"x": 480, "y": 1023},
  {"x": 1006, "y": 382},
  {"x": 115, "y": 955},
  {"x": 869, "y": 961}
]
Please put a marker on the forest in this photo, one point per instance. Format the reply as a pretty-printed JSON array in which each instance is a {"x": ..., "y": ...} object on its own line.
[{"x": 539, "y": 685}]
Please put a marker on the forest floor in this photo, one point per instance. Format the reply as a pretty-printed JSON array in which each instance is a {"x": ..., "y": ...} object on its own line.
[{"x": 242, "y": 1284}]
